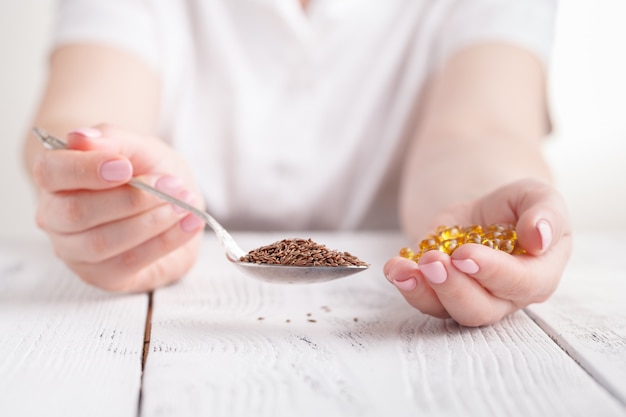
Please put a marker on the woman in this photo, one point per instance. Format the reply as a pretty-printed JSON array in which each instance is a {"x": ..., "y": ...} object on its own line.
[{"x": 289, "y": 115}]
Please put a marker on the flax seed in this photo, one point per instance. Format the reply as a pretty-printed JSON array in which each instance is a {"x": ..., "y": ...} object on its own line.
[{"x": 300, "y": 252}]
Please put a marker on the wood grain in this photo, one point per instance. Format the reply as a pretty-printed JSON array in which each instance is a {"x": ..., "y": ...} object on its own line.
[
  {"x": 587, "y": 314},
  {"x": 226, "y": 345},
  {"x": 66, "y": 349}
]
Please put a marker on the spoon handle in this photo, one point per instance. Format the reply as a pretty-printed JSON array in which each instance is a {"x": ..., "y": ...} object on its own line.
[{"x": 234, "y": 252}]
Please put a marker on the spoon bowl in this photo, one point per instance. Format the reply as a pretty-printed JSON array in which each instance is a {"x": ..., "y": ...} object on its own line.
[{"x": 274, "y": 273}]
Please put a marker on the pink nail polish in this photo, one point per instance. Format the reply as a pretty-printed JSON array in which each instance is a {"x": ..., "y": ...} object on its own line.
[
  {"x": 407, "y": 285},
  {"x": 169, "y": 184},
  {"x": 545, "y": 231},
  {"x": 191, "y": 223},
  {"x": 469, "y": 266},
  {"x": 89, "y": 132},
  {"x": 187, "y": 197},
  {"x": 116, "y": 170},
  {"x": 434, "y": 272}
]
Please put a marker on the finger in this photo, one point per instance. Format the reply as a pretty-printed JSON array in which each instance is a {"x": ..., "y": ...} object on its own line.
[
  {"x": 167, "y": 270},
  {"x": 64, "y": 170},
  {"x": 543, "y": 222},
  {"x": 536, "y": 208},
  {"x": 90, "y": 139},
  {"x": 145, "y": 157},
  {"x": 158, "y": 261},
  {"x": 524, "y": 279},
  {"x": 406, "y": 277},
  {"x": 111, "y": 239},
  {"x": 73, "y": 212},
  {"x": 462, "y": 296}
]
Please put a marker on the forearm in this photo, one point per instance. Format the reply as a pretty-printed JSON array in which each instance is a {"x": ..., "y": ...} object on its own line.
[{"x": 482, "y": 127}]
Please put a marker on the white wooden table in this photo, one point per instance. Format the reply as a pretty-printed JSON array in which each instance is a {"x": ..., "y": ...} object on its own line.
[{"x": 220, "y": 344}]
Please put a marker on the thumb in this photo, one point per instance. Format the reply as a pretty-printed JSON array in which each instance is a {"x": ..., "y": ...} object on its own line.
[
  {"x": 145, "y": 153},
  {"x": 542, "y": 219}
]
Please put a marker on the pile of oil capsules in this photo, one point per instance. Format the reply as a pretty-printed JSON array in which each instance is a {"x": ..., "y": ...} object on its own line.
[{"x": 447, "y": 239}]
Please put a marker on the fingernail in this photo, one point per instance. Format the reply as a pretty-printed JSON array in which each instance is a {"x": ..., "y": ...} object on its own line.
[
  {"x": 191, "y": 223},
  {"x": 89, "y": 132},
  {"x": 469, "y": 266},
  {"x": 116, "y": 170},
  {"x": 406, "y": 285},
  {"x": 435, "y": 272},
  {"x": 169, "y": 184},
  {"x": 187, "y": 197},
  {"x": 545, "y": 231}
]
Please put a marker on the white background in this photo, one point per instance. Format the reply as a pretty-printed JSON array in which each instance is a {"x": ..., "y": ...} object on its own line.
[{"x": 588, "y": 95}]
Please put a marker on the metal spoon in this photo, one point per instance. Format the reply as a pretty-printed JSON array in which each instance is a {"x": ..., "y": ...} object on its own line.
[{"x": 285, "y": 274}]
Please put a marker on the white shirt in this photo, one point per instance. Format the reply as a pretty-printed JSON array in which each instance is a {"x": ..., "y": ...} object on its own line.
[{"x": 298, "y": 119}]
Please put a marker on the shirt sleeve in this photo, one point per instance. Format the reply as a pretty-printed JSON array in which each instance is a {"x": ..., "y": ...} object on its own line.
[
  {"x": 526, "y": 23},
  {"x": 126, "y": 24}
]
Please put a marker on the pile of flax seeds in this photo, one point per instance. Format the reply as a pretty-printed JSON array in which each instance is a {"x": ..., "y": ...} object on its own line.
[{"x": 300, "y": 252}]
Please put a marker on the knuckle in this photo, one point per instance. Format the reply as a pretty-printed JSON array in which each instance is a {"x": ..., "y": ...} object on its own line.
[
  {"x": 166, "y": 242},
  {"x": 96, "y": 244},
  {"x": 453, "y": 292},
  {"x": 73, "y": 210},
  {"x": 135, "y": 199},
  {"x": 39, "y": 171},
  {"x": 156, "y": 272},
  {"x": 78, "y": 169},
  {"x": 155, "y": 219},
  {"x": 129, "y": 258}
]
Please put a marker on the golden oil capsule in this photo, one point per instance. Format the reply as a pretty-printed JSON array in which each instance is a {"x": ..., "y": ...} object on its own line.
[
  {"x": 407, "y": 253},
  {"x": 440, "y": 229},
  {"x": 489, "y": 243},
  {"x": 473, "y": 237},
  {"x": 448, "y": 233},
  {"x": 474, "y": 228},
  {"x": 518, "y": 250},
  {"x": 509, "y": 234},
  {"x": 431, "y": 242},
  {"x": 447, "y": 239},
  {"x": 498, "y": 227},
  {"x": 506, "y": 245},
  {"x": 494, "y": 234},
  {"x": 448, "y": 246}
]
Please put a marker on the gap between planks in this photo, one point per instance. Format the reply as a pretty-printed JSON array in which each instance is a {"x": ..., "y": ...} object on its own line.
[
  {"x": 540, "y": 324},
  {"x": 575, "y": 355},
  {"x": 146, "y": 348}
]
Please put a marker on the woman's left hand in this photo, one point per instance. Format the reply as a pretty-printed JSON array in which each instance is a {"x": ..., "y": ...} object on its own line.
[{"x": 477, "y": 285}]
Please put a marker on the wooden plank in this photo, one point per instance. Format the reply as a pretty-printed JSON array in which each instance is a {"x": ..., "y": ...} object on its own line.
[
  {"x": 66, "y": 349},
  {"x": 226, "y": 345},
  {"x": 587, "y": 314}
]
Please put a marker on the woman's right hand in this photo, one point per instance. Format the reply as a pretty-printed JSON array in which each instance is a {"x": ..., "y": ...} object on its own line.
[{"x": 110, "y": 234}]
